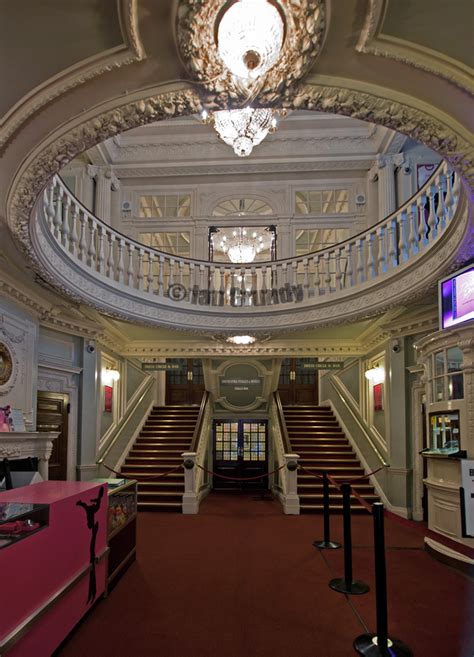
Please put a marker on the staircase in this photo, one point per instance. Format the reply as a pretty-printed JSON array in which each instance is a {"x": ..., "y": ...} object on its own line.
[
  {"x": 316, "y": 436},
  {"x": 167, "y": 433}
]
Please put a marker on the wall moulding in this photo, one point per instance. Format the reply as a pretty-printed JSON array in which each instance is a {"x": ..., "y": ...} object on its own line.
[
  {"x": 130, "y": 51},
  {"x": 373, "y": 41}
]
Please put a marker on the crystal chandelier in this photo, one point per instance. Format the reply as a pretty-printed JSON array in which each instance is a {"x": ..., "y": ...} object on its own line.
[
  {"x": 242, "y": 247},
  {"x": 250, "y": 36},
  {"x": 244, "y": 128}
]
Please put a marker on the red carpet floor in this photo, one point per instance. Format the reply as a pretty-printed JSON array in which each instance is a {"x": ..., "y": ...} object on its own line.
[{"x": 243, "y": 580}]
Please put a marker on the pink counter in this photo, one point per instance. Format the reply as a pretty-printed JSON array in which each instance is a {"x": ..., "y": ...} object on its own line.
[{"x": 45, "y": 577}]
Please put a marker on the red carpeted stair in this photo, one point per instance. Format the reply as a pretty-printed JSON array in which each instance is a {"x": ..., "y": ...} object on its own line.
[
  {"x": 167, "y": 433},
  {"x": 316, "y": 436}
]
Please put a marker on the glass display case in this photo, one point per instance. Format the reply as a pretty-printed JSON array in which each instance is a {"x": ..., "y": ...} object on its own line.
[
  {"x": 444, "y": 437},
  {"x": 121, "y": 526},
  {"x": 18, "y": 520}
]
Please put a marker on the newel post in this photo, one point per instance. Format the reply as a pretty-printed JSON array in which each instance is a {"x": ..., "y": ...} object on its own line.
[
  {"x": 190, "y": 500},
  {"x": 292, "y": 500}
]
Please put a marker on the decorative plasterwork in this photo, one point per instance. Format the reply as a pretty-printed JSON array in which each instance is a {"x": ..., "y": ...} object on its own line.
[
  {"x": 127, "y": 53},
  {"x": 68, "y": 142},
  {"x": 373, "y": 42},
  {"x": 206, "y": 169},
  {"x": 195, "y": 35}
]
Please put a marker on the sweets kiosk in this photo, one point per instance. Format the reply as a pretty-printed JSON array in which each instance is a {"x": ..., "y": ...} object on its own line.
[{"x": 53, "y": 560}]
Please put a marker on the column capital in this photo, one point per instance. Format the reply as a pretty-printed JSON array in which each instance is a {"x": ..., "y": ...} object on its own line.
[{"x": 92, "y": 170}]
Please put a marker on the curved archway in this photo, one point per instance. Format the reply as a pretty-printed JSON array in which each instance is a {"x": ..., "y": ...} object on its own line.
[{"x": 422, "y": 123}]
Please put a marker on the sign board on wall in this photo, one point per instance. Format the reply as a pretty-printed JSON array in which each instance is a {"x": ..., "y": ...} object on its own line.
[
  {"x": 108, "y": 399},
  {"x": 160, "y": 367},
  {"x": 323, "y": 365},
  {"x": 241, "y": 384}
]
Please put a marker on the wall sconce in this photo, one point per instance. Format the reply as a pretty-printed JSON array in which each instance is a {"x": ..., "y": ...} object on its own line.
[
  {"x": 375, "y": 375},
  {"x": 109, "y": 376}
]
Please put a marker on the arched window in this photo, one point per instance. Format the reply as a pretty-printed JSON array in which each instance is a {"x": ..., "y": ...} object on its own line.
[{"x": 242, "y": 207}]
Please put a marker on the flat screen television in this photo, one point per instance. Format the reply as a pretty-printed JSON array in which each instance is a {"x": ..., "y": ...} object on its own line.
[{"x": 456, "y": 298}]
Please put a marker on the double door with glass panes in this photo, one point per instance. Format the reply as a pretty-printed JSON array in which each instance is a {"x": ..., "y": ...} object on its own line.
[
  {"x": 240, "y": 451},
  {"x": 185, "y": 384},
  {"x": 298, "y": 383}
]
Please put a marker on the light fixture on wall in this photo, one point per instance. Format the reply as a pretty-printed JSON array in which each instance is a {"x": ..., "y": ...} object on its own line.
[
  {"x": 375, "y": 375},
  {"x": 109, "y": 376},
  {"x": 243, "y": 129},
  {"x": 241, "y": 339}
]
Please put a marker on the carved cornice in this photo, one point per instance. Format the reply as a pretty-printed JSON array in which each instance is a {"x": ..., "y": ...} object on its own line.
[
  {"x": 127, "y": 53},
  {"x": 373, "y": 42}
]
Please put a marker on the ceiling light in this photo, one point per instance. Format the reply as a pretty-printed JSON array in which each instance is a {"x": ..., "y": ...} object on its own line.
[
  {"x": 250, "y": 36},
  {"x": 242, "y": 339},
  {"x": 243, "y": 128}
]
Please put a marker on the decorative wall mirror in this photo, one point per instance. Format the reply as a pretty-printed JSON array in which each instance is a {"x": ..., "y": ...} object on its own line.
[{"x": 6, "y": 364}]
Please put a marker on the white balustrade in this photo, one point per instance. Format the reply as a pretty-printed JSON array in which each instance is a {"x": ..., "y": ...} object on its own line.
[{"x": 356, "y": 263}]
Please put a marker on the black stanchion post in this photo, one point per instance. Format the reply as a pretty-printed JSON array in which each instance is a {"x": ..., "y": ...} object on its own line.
[
  {"x": 346, "y": 584},
  {"x": 379, "y": 645},
  {"x": 326, "y": 543}
]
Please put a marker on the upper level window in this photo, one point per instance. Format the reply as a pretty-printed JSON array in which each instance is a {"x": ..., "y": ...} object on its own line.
[
  {"x": 447, "y": 377},
  {"x": 164, "y": 205},
  {"x": 241, "y": 206},
  {"x": 307, "y": 241},
  {"x": 326, "y": 201},
  {"x": 177, "y": 244}
]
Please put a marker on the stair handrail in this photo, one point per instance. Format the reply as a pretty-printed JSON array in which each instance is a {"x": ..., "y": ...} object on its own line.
[
  {"x": 200, "y": 446},
  {"x": 125, "y": 420},
  {"x": 197, "y": 429},
  {"x": 367, "y": 435},
  {"x": 282, "y": 423}
]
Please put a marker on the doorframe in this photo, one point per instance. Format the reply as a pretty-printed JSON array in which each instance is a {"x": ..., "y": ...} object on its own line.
[
  {"x": 417, "y": 391},
  {"x": 53, "y": 378}
]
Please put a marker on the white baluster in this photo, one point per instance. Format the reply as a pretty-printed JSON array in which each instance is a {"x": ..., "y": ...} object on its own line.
[
  {"x": 150, "y": 273},
  {"x": 74, "y": 239},
  {"x": 82, "y": 237},
  {"x": 422, "y": 214},
  {"x": 51, "y": 205},
  {"x": 361, "y": 276},
  {"x": 350, "y": 265},
  {"x": 317, "y": 276},
  {"x": 327, "y": 267},
  {"x": 432, "y": 217},
  {"x": 171, "y": 273},
  {"x": 92, "y": 251},
  {"x": 110, "y": 273},
  {"x": 242, "y": 287},
  {"x": 414, "y": 229},
  {"x": 392, "y": 243},
  {"x": 202, "y": 282},
  {"x": 449, "y": 201},
  {"x": 161, "y": 276},
  {"x": 372, "y": 265},
  {"x": 58, "y": 215},
  {"x": 403, "y": 247},
  {"x": 442, "y": 210},
  {"x": 338, "y": 255},
  {"x": 140, "y": 275},
  {"x": 101, "y": 250},
  {"x": 130, "y": 270},
  {"x": 66, "y": 231},
  {"x": 120, "y": 261},
  {"x": 382, "y": 240},
  {"x": 294, "y": 273},
  {"x": 181, "y": 272},
  {"x": 305, "y": 277}
]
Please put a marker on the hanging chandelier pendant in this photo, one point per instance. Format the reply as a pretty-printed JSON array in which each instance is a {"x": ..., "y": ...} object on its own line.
[
  {"x": 244, "y": 128},
  {"x": 242, "y": 49}
]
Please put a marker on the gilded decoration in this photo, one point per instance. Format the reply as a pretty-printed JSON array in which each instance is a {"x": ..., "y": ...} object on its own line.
[
  {"x": 195, "y": 31},
  {"x": 6, "y": 364}
]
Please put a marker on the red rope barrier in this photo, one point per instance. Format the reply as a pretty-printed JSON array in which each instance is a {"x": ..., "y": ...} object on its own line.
[
  {"x": 147, "y": 477},
  {"x": 367, "y": 506},
  {"x": 314, "y": 474},
  {"x": 215, "y": 474}
]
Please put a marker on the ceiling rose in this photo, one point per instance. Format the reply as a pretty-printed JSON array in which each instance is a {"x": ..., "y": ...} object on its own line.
[{"x": 244, "y": 49}]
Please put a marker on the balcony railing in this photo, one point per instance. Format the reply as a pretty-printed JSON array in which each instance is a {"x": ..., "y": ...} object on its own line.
[{"x": 334, "y": 273}]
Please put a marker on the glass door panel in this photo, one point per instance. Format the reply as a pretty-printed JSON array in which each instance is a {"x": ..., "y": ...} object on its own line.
[{"x": 240, "y": 452}]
